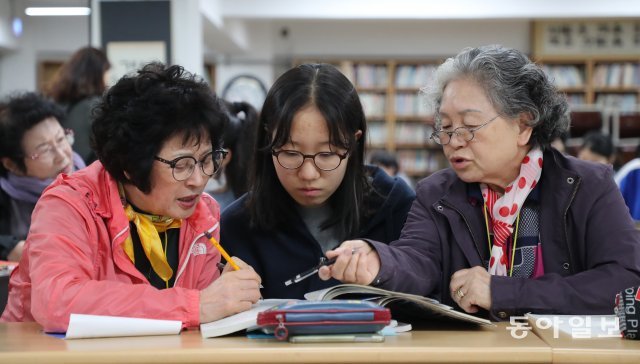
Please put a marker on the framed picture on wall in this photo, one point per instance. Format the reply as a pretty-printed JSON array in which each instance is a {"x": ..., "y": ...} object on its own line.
[
  {"x": 587, "y": 37},
  {"x": 127, "y": 57}
]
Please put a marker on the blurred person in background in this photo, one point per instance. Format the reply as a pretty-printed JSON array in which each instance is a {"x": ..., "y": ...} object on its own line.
[
  {"x": 34, "y": 149},
  {"x": 628, "y": 179},
  {"x": 597, "y": 147},
  {"x": 78, "y": 86},
  {"x": 238, "y": 139},
  {"x": 388, "y": 162}
]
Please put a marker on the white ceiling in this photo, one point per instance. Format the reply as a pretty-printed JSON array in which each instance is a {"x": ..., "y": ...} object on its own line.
[
  {"x": 228, "y": 24},
  {"x": 425, "y": 9}
]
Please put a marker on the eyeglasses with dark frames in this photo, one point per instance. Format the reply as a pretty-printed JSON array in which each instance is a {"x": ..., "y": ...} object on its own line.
[
  {"x": 182, "y": 167},
  {"x": 324, "y": 161},
  {"x": 443, "y": 137}
]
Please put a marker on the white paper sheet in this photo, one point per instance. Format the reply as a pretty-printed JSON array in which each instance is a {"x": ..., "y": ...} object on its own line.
[{"x": 90, "y": 326}]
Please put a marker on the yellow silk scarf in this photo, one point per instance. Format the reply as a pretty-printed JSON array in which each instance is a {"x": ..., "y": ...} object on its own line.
[{"x": 148, "y": 227}]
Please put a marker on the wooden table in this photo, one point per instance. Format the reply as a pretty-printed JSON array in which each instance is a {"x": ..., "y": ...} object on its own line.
[
  {"x": 566, "y": 349},
  {"x": 25, "y": 343}
]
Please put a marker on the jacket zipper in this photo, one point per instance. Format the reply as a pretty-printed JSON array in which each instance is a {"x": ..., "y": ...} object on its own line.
[
  {"x": 186, "y": 261},
  {"x": 564, "y": 225},
  {"x": 473, "y": 238}
]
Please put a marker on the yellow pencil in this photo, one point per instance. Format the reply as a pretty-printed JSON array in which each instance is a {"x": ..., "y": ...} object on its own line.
[{"x": 225, "y": 255}]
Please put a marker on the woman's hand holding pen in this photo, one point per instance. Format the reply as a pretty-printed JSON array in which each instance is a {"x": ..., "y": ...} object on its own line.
[
  {"x": 234, "y": 291},
  {"x": 356, "y": 262}
]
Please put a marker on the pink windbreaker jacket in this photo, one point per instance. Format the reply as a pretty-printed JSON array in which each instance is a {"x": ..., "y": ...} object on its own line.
[{"x": 73, "y": 260}]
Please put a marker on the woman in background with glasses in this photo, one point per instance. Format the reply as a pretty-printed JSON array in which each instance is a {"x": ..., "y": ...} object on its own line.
[
  {"x": 514, "y": 226},
  {"x": 34, "y": 149},
  {"x": 309, "y": 187},
  {"x": 125, "y": 236}
]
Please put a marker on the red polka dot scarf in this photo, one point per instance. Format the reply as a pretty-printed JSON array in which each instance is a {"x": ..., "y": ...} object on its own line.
[{"x": 503, "y": 210}]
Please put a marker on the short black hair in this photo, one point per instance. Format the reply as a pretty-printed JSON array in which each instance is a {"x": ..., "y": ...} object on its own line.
[
  {"x": 18, "y": 114},
  {"x": 598, "y": 143},
  {"x": 140, "y": 112},
  {"x": 384, "y": 158}
]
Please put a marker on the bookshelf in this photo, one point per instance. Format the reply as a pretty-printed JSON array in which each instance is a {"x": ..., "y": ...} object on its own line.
[
  {"x": 592, "y": 61},
  {"x": 397, "y": 117},
  {"x": 605, "y": 80},
  {"x": 596, "y": 62}
]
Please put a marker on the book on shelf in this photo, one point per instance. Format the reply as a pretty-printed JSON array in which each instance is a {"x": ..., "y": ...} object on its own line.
[
  {"x": 246, "y": 320},
  {"x": 400, "y": 304},
  {"x": 414, "y": 76},
  {"x": 565, "y": 76}
]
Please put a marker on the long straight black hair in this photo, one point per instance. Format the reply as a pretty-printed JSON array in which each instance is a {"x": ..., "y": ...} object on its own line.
[{"x": 335, "y": 97}]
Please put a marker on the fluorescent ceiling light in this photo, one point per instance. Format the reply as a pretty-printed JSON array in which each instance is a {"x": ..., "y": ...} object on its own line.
[{"x": 57, "y": 11}]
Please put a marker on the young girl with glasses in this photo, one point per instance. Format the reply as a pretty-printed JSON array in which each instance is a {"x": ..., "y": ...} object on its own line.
[{"x": 309, "y": 187}]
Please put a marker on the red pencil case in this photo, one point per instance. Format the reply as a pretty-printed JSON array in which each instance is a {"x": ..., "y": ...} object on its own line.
[{"x": 323, "y": 317}]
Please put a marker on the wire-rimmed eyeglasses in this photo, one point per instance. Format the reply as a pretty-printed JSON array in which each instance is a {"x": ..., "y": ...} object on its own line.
[
  {"x": 325, "y": 161},
  {"x": 443, "y": 137},
  {"x": 47, "y": 151},
  {"x": 182, "y": 167}
]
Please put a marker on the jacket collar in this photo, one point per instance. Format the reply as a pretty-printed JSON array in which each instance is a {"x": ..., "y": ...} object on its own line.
[
  {"x": 556, "y": 191},
  {"x": 101, "y": 191},
  {"x": 465, "y": 210}
]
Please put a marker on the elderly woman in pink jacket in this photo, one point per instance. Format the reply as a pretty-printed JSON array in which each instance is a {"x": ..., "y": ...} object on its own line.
[{"x": 126, "y": 236}]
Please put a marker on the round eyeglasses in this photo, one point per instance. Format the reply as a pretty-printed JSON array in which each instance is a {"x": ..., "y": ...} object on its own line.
[
  {"x": 325, "y": 161},
  {"x": 182, "y": 167},
  {"x": 47, "y": 151},
  {"x": 443, "y": 137}
]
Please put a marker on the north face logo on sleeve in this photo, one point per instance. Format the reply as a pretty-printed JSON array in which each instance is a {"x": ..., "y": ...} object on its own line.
[{"x": 198, "y": 249}]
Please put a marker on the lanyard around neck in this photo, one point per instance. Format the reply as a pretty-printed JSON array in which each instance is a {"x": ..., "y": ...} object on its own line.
[{"x": 515, "y": 236}]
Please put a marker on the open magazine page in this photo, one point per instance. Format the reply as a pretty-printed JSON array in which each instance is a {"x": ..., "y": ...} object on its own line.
[{"x": 403, "y": 305}]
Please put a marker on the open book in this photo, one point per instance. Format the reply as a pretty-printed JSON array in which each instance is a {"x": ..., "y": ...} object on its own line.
[
  {"x": 240, "y": 321},
  {"x": 399, "y": 303}
]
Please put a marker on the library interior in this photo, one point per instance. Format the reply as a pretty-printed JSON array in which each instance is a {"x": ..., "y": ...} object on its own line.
[{"x": 389, "y": 50}]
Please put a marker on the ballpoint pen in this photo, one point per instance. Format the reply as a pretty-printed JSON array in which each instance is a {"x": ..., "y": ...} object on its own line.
[
  {"x": 223, "y": 252},
  {"x": 308, "y": 273}
]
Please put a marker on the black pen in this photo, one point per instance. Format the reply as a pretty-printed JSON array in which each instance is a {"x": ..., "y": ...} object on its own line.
[{"x": 308, "y": 273}]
